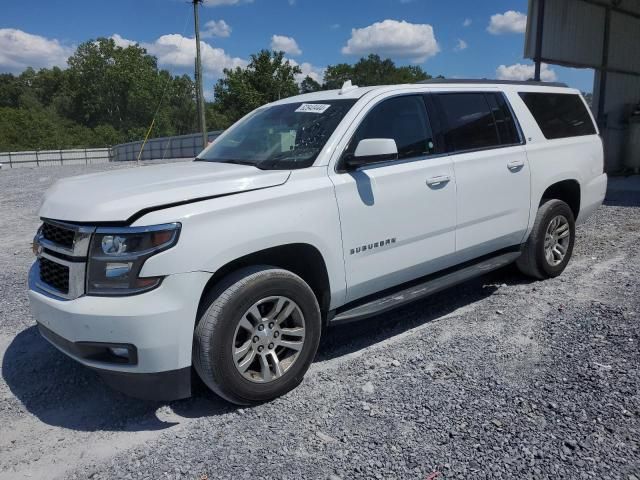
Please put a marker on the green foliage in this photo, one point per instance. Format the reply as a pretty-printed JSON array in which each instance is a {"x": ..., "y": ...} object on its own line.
[
  {"x": 110, "y": 94},
  {"x": 215, "y": 119},
  {"x": 309, "y": 85},
  {"x": 372, "y": 71},
  {"x": 267, "y": 78},
  {"x": 39, "y": 129}
]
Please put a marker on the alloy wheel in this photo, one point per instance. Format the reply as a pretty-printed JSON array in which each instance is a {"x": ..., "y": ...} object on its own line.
[
  {"x": 556, "y": 240},
  {"x": 268, "y": 339}
]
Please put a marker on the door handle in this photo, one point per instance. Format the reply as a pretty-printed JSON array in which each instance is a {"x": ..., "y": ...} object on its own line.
[
  {"x": 515, "y": 165},
  {"x": 440, "y": 180}
]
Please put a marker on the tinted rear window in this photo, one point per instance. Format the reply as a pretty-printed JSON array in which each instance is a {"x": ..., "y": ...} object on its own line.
[
  {"x": 476, "y": 120},
  {"x": 559, "y": 115},
  {"x": 504, "y": 119}
]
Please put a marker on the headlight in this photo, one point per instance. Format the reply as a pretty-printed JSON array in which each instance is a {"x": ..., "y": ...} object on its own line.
[{"x": 116, "y": 257}]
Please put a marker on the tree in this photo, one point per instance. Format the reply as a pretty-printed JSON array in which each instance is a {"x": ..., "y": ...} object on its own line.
[
  {"x": 10, "y": 90},
  {"x": 110, "y": 94},
  {"x": 267, "y": 78},
  {"x": 309, "y": 85},
  {"x": 113, "y": 85},
  {"x": 372, "y": 70},
  {"x": 336, "y": 75}
]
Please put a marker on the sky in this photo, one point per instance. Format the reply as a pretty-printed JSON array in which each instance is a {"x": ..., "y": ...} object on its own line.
[{"x": 455, "y": 38}]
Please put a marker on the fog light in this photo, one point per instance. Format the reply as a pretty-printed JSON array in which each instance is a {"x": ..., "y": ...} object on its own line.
[{"x": 119, "y": 352}]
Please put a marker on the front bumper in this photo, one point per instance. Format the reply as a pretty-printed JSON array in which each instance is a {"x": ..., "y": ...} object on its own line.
[{"x": 157, "y": 328}]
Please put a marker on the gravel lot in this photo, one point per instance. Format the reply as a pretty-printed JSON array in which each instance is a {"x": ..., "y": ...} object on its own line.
[{"x": 498, "y": 378}]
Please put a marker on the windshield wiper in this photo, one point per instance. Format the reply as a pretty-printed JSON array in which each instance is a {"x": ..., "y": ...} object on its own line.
[
  {"x": 229, "y": 160},
  {"x": 239, "y": 162}
]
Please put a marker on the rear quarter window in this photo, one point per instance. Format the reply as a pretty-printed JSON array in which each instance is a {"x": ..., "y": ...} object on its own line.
[{"x": 559, "y": 115}]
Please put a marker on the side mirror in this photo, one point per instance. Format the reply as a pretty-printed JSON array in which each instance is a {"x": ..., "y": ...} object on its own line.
[{"x": 372, "y": 150}]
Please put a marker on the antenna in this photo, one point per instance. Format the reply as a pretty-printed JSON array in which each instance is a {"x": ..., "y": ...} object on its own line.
[
  {"x": 347, "y": 87},
  {"x": 199, "y": 88}
]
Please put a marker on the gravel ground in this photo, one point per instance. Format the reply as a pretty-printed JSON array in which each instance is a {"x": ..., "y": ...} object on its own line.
[{"x": 498, "y": 378}]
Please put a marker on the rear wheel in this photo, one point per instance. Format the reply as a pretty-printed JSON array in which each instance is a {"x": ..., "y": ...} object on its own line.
[
  {"x": 550, "y": 245},
  {"x": 258, "y": 335}
]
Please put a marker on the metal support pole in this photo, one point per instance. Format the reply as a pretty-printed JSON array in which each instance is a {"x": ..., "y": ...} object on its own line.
[
  {"x": 10, "y": 161},
  {"x": 539, "y": 28},
  {"x": 602, "y": 90},
  {"x": 199, "y": 87},
  {"x": 37, "y": 159}
]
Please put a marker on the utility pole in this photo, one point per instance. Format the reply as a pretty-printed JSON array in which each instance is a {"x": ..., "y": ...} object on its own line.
[{"x": 199, "y": 88}]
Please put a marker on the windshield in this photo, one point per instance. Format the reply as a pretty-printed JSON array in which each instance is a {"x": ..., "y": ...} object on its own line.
[{"x": 284, "y": 136}]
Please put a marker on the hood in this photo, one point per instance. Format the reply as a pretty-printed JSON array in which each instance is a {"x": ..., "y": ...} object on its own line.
[{"x": 116, "y": 196}]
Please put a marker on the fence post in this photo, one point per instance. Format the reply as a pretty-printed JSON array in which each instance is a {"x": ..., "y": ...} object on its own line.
[
  {"x": 10, "y": 161},
  {"x": 37, "y": 159},
  {"x": 86, "y": 160},
  {"x": 61, "y": 161}
]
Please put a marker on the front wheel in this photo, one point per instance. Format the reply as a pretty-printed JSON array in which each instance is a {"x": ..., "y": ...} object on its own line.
[
  {"x": 258, "y": 335},
  {"x": 550, "y": 245}
]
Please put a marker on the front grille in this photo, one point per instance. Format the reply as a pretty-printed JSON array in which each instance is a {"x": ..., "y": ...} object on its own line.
[
  {"x": 59, "y": 235},
  {"x": 54, "y": 275}
]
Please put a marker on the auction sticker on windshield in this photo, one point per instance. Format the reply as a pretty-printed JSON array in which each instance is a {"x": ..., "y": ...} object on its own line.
[{"x": 312, "y": 108}]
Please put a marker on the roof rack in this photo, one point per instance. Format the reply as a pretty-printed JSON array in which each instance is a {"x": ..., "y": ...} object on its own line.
[{"x": 494, "y": 82}]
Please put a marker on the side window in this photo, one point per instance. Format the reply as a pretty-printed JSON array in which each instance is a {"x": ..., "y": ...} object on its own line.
[
  {"x": 559, "y": 115},
  {"x": 503, "y": 117},
  {"x": 469, "y": 123},
  {"x": 403, "y": 119}
]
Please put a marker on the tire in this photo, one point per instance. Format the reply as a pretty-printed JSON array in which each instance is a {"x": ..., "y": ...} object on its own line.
[
  {"x": 228, "y": 323},
  {"x": 534, "y": 261}
]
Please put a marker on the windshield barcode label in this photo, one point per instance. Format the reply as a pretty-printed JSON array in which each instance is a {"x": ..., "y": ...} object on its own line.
[{"x": 312, "y": 108}]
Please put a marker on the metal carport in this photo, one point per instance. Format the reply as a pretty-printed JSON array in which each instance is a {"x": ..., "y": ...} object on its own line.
[{"x": 599, "y": 34}]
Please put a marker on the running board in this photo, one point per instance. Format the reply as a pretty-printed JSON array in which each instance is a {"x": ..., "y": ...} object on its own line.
[{"x": 433, "y": 284}]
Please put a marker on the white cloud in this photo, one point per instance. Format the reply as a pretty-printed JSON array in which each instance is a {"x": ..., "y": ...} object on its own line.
[
  {"x": 520, "y": 71},
  {"x": 467, "y": 22},
  {"x": 317, "y": 73},
  {"x": 216, "y": 28},
  {"x": 395, "y": 39},
  {"x": 19, "y": 50},
  {"x": 177, "y": 52},
  {"x": 121, "y": 41},
  {"x": 461, "y": 45},
  {"x": 507, "y": 22},
  {"x": 334, "y": 26},
  {"x": 288, "y": 45},
  {"x": 217, "y": 3}
]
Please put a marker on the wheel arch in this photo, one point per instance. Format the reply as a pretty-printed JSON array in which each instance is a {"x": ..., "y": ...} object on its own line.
[
  {"x": 303, "y": 259},
  {"x": 566, "y": 190}
]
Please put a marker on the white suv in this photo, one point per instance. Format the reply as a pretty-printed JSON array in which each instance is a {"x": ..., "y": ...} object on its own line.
[{"x": 314, "y": 210}]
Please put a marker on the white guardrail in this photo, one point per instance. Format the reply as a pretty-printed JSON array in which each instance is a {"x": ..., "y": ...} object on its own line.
[
  {"x": 183, "y": 146},
  {"x": 42, "y": 158}
]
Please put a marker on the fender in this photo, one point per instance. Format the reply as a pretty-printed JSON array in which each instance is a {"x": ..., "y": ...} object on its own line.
[{"x": 218, "y": 231}]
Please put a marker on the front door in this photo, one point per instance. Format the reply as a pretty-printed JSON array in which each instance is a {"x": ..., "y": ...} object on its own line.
[{"x": 398, "y": 218}]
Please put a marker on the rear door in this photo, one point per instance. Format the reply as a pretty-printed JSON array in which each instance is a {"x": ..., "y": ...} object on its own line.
[{"x": 491, "y": 169}]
